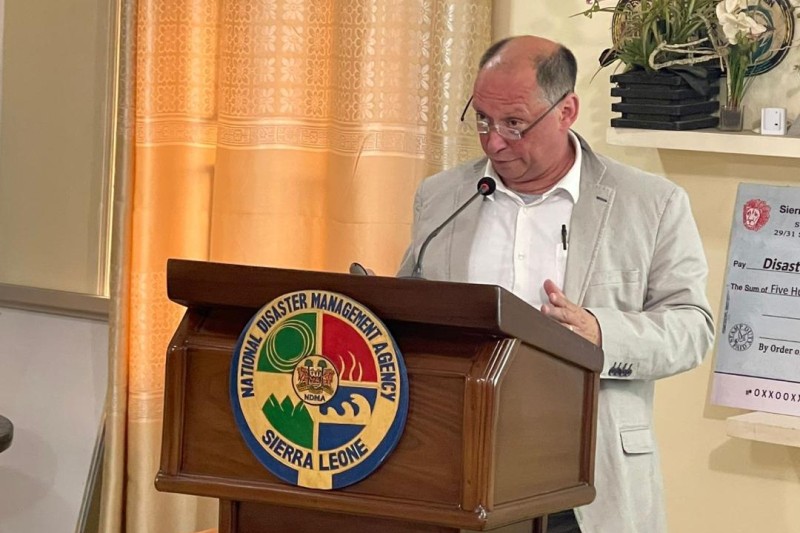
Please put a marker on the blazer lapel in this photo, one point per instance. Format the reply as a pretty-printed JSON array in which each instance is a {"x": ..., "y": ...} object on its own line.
[
  {"x": 587, "y": 225},
  {"x": 463, "y": 231}
]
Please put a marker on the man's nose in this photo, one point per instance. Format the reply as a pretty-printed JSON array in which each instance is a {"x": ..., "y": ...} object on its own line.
[{"x": 494, "y": 142}]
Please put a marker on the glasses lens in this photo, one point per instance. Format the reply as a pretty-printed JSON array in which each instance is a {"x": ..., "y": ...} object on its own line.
[{"x": 509, "y": 134}]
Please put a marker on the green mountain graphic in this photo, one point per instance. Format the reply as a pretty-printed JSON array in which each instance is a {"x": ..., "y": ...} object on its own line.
[{"x": 293, "y": 422}]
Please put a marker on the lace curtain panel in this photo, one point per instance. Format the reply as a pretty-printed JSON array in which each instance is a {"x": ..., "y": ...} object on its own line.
[{"x": 285, "y": 133}]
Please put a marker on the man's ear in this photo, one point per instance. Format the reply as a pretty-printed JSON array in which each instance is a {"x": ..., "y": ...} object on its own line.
[{"x": 569, "y": 110}]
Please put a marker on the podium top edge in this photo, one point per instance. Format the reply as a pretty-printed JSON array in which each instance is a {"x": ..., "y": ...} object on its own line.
[
  {"x": 483, "y": 308},
  {"x": 203, "y": 283}
]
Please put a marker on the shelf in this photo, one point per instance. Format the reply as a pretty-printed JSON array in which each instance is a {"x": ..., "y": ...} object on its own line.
[
  {"x": 766, "y": 427},
  {"x": 710, "y": 140}
]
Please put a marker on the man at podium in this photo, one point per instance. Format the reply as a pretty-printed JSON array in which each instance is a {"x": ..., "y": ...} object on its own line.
[{"x": 607, "y": 250}]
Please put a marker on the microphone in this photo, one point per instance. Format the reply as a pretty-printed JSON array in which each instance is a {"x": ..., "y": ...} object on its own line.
[{"x": 486, "y": 186}]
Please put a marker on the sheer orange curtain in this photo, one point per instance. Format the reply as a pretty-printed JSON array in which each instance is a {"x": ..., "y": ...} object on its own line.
[{"x": 283, "y": 133}]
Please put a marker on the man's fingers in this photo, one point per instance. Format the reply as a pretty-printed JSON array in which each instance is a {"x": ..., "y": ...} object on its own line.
[
  {"x": 552, "y": 289},
  {"x": 571, "y": 316},
  {"x": 560, "y": 314}
]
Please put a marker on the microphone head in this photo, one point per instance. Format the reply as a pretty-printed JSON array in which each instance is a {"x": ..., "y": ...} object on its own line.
[{"x": 486, "y": 186}]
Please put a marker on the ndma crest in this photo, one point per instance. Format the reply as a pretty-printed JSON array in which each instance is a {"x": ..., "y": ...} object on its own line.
[{"x": 319, "y": 389}]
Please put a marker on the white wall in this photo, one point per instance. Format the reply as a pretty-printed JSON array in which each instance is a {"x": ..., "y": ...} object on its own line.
[
  {"x": 54, "y": 123},
  {"x": 53, "y": 373}
]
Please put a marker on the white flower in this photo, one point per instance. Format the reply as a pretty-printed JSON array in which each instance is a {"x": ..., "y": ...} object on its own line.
[
  {"x": 731, "y": 7},
  {"x": 754, "y": 29},
  {"x": 740, "y": 27}
]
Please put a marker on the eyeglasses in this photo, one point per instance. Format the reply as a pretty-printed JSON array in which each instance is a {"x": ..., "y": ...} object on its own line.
[{"x": 484, "y": 127}]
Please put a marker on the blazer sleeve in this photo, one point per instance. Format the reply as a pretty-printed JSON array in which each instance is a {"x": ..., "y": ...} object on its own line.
[
  {"x": 675, "y": 328},
  {"x": 410, "y": 256}
]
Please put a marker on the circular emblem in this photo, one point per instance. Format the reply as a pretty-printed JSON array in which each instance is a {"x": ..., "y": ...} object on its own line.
[
  {"x": 319, "y": 389},
  {"x": 755, "y": 214},
  {"x": 740, "y": 337}
]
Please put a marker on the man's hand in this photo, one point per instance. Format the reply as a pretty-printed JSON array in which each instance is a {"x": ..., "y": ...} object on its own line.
[{"x": 571, "y": 316}]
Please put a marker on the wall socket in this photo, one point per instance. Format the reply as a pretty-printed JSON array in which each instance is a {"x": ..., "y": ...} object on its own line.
[{"x": 773, "y": 121}]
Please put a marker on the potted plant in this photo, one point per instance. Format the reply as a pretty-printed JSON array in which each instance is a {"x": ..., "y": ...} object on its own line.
[
  {"x": 650, "y": 35},
  {"x": 670, "y": 77}
]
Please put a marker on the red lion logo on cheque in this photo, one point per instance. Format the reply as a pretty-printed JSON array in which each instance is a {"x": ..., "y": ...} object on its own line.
[{"x": 755, "y": 214}]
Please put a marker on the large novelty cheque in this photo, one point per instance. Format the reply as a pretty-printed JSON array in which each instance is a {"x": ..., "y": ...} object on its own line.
[{"x": 758, "y": 349}]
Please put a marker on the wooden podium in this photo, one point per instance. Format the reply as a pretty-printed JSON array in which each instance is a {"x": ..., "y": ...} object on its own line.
[{"x": 501, "y": 419}]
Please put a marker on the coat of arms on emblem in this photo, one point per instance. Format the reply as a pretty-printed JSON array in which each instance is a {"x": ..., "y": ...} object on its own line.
[
  {"x": 755, "y": 214},
  {"x": 315, "y": 380}
]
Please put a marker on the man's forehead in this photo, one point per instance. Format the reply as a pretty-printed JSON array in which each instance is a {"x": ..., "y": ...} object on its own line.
[
  {"x": 518, "y": 102},
  {"x": 505, "y": 88},
  {"x": 507, "y": 75}
]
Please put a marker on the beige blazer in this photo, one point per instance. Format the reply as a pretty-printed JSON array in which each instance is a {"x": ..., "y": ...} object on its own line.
[{"x": 636, "y": 262}]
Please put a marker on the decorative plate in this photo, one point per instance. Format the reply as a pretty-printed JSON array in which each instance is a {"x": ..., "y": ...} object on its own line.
[{"x": 776, "y": 14}]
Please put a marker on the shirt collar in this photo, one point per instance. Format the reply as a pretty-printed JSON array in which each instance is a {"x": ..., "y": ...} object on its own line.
[{"x": 570, "y": 183}]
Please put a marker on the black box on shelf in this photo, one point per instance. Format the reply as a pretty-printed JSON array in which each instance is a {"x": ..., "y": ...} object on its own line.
[{"x": 666, "y": 100}]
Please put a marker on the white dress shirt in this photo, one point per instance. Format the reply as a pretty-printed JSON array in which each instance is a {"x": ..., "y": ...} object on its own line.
[{"x": 518, "y": 243}]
